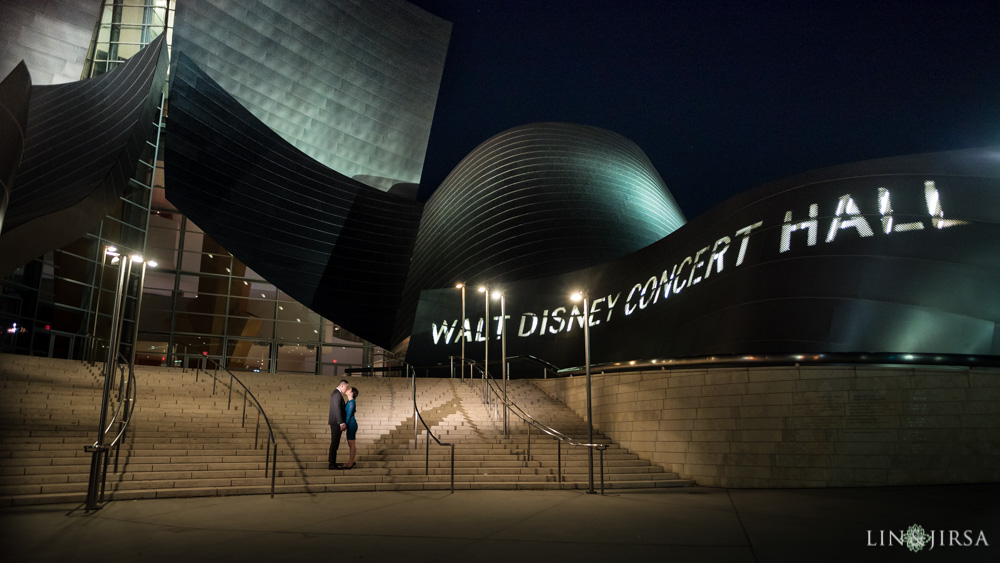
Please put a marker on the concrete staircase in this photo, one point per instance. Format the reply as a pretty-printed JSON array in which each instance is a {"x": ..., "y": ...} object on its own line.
[{"x": 186, "y": 440}]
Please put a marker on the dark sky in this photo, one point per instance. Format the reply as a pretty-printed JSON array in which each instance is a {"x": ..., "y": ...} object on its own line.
[{"x": 723, "y": 95}]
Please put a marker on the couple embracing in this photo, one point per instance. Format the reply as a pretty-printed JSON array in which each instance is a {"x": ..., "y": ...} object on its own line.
[{"x": 341, "y": 419}]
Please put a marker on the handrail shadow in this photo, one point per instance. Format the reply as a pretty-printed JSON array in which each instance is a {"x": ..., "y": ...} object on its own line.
[
  {"x": 427, "y": 432},
  {"x": 493, "y": 397},
  {"x": 270, "y": 463}
]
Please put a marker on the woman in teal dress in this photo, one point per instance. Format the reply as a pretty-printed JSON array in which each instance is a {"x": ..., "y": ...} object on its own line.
[{"x": 352, "y": 425}]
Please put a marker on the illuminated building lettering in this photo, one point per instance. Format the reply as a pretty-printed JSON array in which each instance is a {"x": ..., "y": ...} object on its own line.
[
  {"x": 745, "y": 233},
  {"x": 611, "y": 304},
  {"x": 594, "y": 308},
  {"x": 629, "y": 311},
  {"x": 545, "y": 321},
  {"x": 534, "y": 324},
  {"x": 885, "y": 208},
  {"x": 557, "y": 319},
  {"x": 665, "y": 281},
  {"x": 576, "y": 315},
  {"x": 697, "y": 264},
  {"x": 480, "y": 332},
  {"x": 717, "y": 255},
  {"x": 934, "y": 208},
  {"x": 846, "y": 206},
  {"x": 443, "y": 330},
  {"x": 811, "y": 225},
  {"x": 678, "y": 278},
  {"x": 646, "y": 289}
]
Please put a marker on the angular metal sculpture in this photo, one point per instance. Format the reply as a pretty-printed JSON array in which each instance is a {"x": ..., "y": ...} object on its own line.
[
  {"x": 81, "y": 148},
  {"x": 332, "y": 243},
  {"x": 351, "y": 84}
]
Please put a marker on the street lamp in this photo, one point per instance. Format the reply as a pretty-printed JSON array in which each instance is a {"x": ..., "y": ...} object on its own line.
[
  {"x": 99, "y": 449},
  {"x": 578, "y": 296},
  {"x": 112, "y": 251},
  {"x": 462, "y": 332},
  {"x": 503, "y": 353},
  {"x": 486, "y": 332}
]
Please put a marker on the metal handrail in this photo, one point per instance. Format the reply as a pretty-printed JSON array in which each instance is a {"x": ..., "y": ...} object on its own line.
[
  {"x": 492, "y": 387},
  {"x": 427, "y": 433},
  {"x": 99, "y": 469},
  {"x": 268, "y": 465}
]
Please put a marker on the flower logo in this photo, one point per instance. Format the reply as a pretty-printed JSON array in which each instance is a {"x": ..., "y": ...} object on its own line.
[{"x": 916, "y": 538}]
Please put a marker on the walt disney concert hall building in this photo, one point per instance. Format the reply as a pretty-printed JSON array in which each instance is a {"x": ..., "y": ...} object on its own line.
[{"x": 278, "y": 197}]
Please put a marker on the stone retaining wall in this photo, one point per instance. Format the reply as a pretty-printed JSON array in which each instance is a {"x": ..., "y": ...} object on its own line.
[{"x": 802, "y": 426}]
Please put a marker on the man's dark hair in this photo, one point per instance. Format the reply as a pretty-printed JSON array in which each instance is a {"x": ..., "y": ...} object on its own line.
[{"x": 343, "y": 382}]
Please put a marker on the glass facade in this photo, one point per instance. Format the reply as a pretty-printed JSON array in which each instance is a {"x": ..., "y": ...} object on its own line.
[{"x": 198, "y": 303}]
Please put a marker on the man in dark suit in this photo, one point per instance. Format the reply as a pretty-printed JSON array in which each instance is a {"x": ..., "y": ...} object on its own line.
[{"x": 338, "y": 419}]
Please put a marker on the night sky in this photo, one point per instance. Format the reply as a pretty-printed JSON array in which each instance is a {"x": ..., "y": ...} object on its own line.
[{"x": 721, "y": 95}]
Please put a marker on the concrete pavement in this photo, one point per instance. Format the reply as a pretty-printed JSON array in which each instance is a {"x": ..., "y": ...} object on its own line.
[{"x": 687, "y": 524}]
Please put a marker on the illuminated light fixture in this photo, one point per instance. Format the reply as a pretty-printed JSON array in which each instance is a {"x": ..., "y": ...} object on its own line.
[
  {"x": 654, "y": 361},
  {"x": 576, "y": 296},
  {"x": 459, "y": 285},
  {"x": 210, "y": 256},
  {"x": 908, "y": 356},
  {"x": 298, "y": 320},
  {"x": 229, "y": 271},
  {"x": 315, "y": 331},
  {"x": 137, "y": 258},
  {"x": 153, "y": 263},
  {"x": 111, "y": 251},
  {"x": 115, "y": 259},
  {"x": 497, "y": 295},
  {"x": 280, "y": 308},
  {"x": 482, "y": 289},
  {"x": 263, "y": 295},
  {"x": 632, "y": 363}
]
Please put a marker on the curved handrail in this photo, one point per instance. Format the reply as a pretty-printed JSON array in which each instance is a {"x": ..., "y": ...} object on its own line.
[
  {"x": 417, "y": 417},
  {"x": 260, "y": 412},
  {"x": 130, "y": 388},
  {"x": 493, "y": 387}
]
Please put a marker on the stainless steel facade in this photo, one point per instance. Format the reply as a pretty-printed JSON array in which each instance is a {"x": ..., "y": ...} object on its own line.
[
  {"x": 50, "y": 36},
  {"x": 351, "y": 84},
  {"x": 538, "y": 200},
  {"x": 890, "y": 260}
]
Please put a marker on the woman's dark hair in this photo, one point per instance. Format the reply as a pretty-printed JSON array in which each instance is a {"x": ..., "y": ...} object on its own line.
[{"x": 355, "y": 391}]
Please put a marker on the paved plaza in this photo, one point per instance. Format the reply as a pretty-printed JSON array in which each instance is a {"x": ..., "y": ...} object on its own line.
[{"x": 687, "y": 524}]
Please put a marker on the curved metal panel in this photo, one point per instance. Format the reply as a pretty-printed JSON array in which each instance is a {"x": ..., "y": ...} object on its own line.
[
  {"x": 893, "y": 256},
  {"x": 50, "y": 36},
  {"x": 82, "y": 146},
  {"x": 538, "y": 200},
  {"x": 335, "y": 245},
  {"x": 15, "y": 91},
  {"x": 351, "y": 84}
]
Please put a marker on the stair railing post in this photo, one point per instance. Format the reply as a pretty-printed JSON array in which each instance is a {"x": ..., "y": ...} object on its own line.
[
  {"x": 529, "y": 440},
  {"x": 230, "y": 404},
  {"x": 413, "y": 388},
  {"x": 427, "y": 452},
  {"x": 256, "y": 434},
  {"x": 602, "y": 469},
  {"x": 559, "y": 462}
]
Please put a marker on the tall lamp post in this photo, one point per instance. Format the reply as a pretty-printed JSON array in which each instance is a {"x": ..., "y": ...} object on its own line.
[
  {"x": 503, "y": 354},
  {"x": 462, "y": 322},
  {"x": 108, "y": 251},
  {"x": 99, "y": 449},
  {"x": 578, "y": 296},
  {"x": 486, "y": 334}
]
